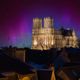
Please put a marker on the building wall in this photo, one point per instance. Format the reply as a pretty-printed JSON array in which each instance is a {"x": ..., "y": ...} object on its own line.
[{"x": 20, "y": 54}]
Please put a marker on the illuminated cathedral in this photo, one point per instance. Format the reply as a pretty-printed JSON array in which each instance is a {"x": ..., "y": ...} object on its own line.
[{"x": 44, "y": 36}]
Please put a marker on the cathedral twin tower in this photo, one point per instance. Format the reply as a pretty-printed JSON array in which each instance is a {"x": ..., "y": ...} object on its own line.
[
  {"x": 37, "y": 22},
  {"x": 44, "y": 36}
]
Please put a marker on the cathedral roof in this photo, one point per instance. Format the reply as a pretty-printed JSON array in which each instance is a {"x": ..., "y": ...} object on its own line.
[{"x": 66, "y": 32}]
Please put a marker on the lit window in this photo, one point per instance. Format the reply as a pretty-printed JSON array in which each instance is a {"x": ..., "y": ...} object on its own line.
[
  {"x": 35, "y": 42},
  {"x": 46, "y": 42},
  {"x": 26, "y": 78},
  {"x": 52, "y": 43}
]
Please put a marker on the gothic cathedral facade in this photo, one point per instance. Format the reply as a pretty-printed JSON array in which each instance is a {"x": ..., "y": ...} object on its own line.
[{"x": 44, "y": 36}]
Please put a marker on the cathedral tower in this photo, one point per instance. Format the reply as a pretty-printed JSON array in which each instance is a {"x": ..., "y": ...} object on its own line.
[
  {"x": 48, "y": 22},
  {"x": 42, "y": 36},
  {"x": 37, "y": 25}
]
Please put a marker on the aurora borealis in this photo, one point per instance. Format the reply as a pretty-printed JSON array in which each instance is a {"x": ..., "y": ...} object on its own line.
[{"x": 16, "y": 18}]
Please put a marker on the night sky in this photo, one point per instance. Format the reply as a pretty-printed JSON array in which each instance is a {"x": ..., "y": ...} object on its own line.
[{"x": 16, "y": 18}]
